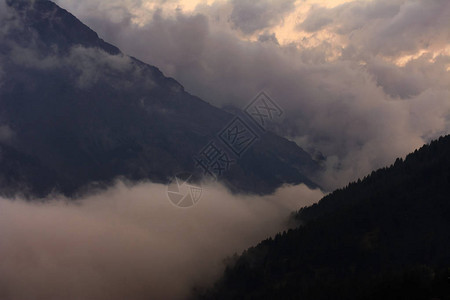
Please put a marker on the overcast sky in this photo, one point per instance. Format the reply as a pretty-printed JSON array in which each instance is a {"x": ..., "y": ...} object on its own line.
[{"x": 363, "y": 82}]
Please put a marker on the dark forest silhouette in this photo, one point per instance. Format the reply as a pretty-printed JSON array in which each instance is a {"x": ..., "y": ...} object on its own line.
[{"x": 386, "y": 236}]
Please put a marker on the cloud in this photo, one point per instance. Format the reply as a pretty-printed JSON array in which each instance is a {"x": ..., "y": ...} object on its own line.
[
  {"x": 8, "y": 20},
  {"x": 2, "y": 73},
  {"x": 130, "y": 242},
  {"x": 389, "y": 28},
  {"x": 252, "y": 16},
  {"x": 268, "y": 37},
  {"x": 3, "y": 8},
  {"x": 412, "y": 79},
  {"x": 5, "y": 133},
  {"x": 359, "y": 109},
  {"x": 85, "y": 66}
]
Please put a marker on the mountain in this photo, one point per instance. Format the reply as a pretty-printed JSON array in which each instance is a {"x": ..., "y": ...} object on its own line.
[
  {"x": 384, "y": 237},
  {"x": 77, "y": 112}
]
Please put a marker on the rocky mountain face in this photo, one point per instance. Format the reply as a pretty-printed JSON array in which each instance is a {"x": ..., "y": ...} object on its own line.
[{"x": 75, "y": 110}]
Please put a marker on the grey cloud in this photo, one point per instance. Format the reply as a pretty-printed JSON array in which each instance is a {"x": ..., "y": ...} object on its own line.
[
  {"x": 6, "y": 133},
  {"x": 360, "y": 116},
  {"x": 8, "y": 19},
  {"x": 88, "y": 62},
  {"x": 2, "y": 8},
  {"x": 390, "y": 28},
  {"x": 251, "y": 16},
  {"x": 183, "y": 36},
  {"x": 87, "y": 66},
  {"x": 85, "y": 63},
  {"x": 413, "y": 78},
  {"x": 268, "y": 37},
  {"x": 2, "y": 72},
  {"x": 130, "y": 242}
]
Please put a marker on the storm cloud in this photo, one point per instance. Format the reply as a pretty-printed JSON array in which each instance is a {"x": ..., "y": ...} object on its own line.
[
  {"x": 344, "y": 92},
  {"x": 364, "y": 83}
]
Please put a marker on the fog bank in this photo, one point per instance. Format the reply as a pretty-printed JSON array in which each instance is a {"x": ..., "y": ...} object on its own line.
[{"x": 131, "y": 242}]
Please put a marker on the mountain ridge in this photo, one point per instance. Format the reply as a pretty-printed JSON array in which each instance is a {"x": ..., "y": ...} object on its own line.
[{"x": 88, "y": 113}]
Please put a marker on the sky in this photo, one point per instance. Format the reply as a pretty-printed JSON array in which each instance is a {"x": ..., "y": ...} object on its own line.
[{"x": 361, "y": 82}]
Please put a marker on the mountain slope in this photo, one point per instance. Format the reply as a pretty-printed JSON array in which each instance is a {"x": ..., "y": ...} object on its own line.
[
  {"x": 87, "y": 113},
  {"x": 385, "y": 237}
]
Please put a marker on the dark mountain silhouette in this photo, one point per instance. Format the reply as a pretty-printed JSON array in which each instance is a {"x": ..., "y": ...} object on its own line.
[
  {"x": 79, "y": 111},
  {"x": 384, "y": 237}
]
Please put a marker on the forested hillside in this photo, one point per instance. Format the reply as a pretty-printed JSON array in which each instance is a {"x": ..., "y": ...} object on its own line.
[{"x": 386, "y": 236}]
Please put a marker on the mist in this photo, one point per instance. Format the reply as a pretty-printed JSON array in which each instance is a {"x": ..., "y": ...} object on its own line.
[
  {"x": 130, "y": 242},
  {"x": 365, "y": 82}
]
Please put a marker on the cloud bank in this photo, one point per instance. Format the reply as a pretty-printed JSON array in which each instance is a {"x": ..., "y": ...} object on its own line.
[
  {"x": 131, "y": 242},
  {"x": 363, "y": 83}
]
